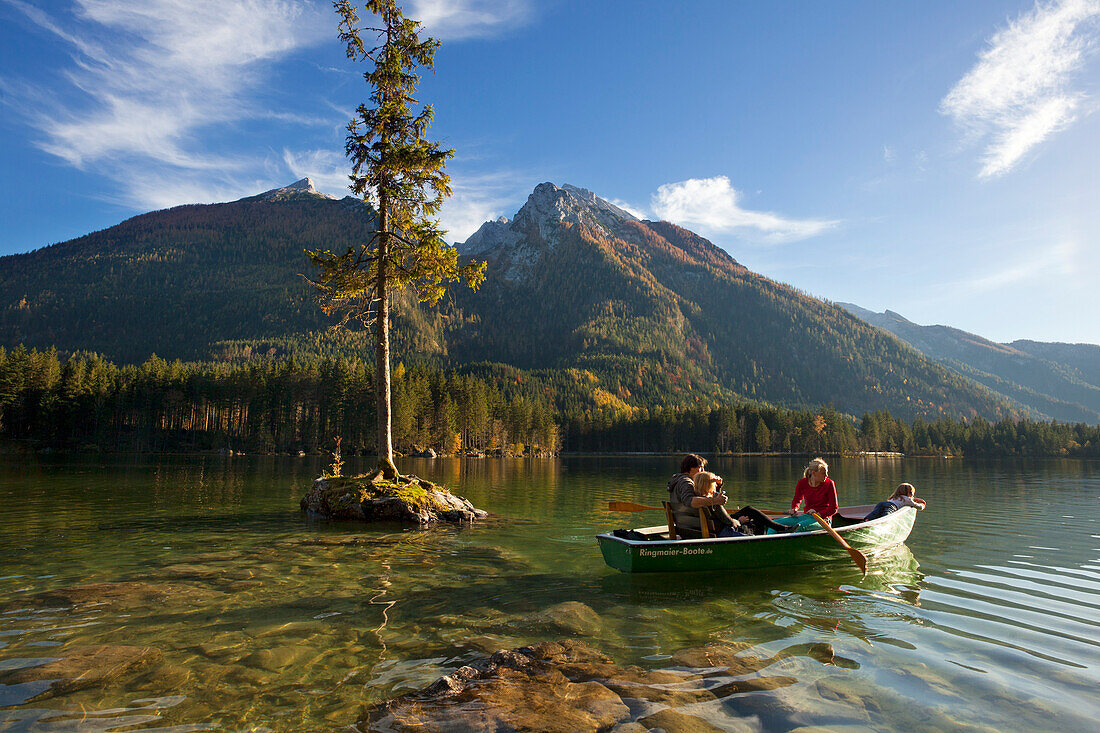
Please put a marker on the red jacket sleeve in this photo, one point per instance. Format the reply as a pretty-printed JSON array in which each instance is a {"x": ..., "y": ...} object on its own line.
[
  {"x": 799, "y": 493},
  {"x": 831, "y": 503}
]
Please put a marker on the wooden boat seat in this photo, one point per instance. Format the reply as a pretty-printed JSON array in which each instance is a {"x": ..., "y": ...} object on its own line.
[
  {"x": 855, "y": 513},
  {"x": 671, "y": 534},
  {"x": 704, "y": 522}
]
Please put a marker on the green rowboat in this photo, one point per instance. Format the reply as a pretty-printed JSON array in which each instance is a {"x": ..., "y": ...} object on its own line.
[{"x": 659, "y": 555}]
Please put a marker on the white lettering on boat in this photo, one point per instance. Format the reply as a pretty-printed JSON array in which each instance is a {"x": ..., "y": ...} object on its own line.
[{"x": 643, "y": 552}]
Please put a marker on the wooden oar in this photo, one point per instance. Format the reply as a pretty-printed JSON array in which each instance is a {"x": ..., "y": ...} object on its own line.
[
  {"x": 857, "y": 556},
  {"x": 629, "y": 506}
]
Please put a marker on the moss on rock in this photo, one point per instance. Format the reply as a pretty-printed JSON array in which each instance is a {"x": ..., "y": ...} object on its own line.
[{"x": 372, "y": 497}]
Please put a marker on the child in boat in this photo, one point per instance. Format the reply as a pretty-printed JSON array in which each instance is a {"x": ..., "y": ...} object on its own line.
[
  {"x": 744, "y": 521},
  {"x": 904, "y": 495},
  {"x": 817, "y": 490}
]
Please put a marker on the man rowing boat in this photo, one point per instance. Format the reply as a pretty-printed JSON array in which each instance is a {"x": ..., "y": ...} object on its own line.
[{"x": 686, "y": 503}]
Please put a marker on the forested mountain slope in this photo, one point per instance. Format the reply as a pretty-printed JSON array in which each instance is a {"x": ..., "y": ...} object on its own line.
[
  {"x": 1083, "y": 358},
  {"x": 174, "y": 281},
  {"x": 628, "y": 314},
  {"x": 575, "y": 282},
  {"x": 1049, "y": 380}
]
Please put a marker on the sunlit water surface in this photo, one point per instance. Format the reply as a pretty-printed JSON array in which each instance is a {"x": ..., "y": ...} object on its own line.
[{"x": 254, "y": 617}]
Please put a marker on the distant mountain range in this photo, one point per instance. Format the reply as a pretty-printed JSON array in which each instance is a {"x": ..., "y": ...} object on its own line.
[
  {"x": 586, "y": 297},
  {"x": 1048, "y": 380}
]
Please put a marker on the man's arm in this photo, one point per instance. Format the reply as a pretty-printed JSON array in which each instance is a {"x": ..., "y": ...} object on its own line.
[
  {"x": 717, "y": 499},
  {"x": 684, "y": 493}
]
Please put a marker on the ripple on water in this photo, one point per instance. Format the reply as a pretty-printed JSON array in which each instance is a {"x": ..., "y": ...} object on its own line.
[
  {"x": 142, "y": 712},
  {"x": 261, "y": 618}
]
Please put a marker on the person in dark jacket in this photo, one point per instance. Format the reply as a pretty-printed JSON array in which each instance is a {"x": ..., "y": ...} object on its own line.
[{"x": 685, "y": 504}]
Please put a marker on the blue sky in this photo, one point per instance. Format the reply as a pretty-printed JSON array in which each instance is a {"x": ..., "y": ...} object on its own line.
[{"x": 939, "y": 159}]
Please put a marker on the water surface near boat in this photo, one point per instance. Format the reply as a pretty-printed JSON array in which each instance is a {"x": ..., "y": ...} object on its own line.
[{"x": 250, "y": 615}]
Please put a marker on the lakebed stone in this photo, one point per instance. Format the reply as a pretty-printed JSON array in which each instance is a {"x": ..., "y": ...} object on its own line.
[
  {"x": 128, "y": 595},
  {"x": 372, "y": 498},
  {"x": 570, "y": 617},
  {"x": 567, "y": 686},
  {"x": 79, "y": 667}
]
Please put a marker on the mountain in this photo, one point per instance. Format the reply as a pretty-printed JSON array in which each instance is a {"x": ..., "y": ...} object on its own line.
[
  {"x": 1084, "y": 358},
  {"x": 583, "y": 295},
  {"x": 1049, "y": 380},
  {"x": 302, "y": 190},
  {"x": 175, "y": 281},
  {"x": 575, "y": 282}
]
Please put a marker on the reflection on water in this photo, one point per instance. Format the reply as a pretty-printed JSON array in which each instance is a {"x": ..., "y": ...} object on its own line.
[{"x": 189, "y": 593}]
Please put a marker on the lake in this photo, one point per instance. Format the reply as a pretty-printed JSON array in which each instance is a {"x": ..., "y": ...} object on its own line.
[{"x": 199, "y": 597}]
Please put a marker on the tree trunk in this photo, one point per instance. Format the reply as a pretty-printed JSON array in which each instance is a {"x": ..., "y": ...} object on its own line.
[{"x": 382, "y": 348}]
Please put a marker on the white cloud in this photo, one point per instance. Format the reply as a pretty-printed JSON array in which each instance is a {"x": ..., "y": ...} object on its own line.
[
  {"x": 637, "y": 211},
  {"x": 148, "y": 82},
  {"x": 1055, "y": 261},
  {"x": 480, "y": 198},
  {"x": 459, "y": 19},
  {"x": 329, "y": 169},
  {"x": 152, "y": 92},
  {"x": 157, "y": 190},
  {"x": 711, "y": 206},
  {"x": 1018, "y": 94}
]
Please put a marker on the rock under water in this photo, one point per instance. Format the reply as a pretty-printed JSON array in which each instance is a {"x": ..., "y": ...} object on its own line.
[{"x": 569, "y": 686}]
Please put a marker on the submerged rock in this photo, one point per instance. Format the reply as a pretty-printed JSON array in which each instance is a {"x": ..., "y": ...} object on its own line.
[
  {"x": 123, "y": 595},
  {"x": 516, "y": 690},
  {"x": 79, "y": 667},
  {"x": 570, "y": 686},
  {"x": 371, "y": 498},
  {"x": 571, "y": 617},
  {"x": 672, "y": 720}
]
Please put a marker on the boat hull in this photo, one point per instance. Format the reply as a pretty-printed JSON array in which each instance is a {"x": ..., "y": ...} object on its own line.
[{"x": 774, "y": 550}]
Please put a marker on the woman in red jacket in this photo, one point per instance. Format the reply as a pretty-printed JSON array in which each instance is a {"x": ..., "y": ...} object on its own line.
[{"x": 817, "y": 490}]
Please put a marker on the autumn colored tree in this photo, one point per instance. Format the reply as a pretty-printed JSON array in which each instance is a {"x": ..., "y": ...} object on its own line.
[{"x": 400, "y": 175}]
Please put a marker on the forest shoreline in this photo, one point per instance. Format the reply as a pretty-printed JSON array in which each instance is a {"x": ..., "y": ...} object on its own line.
[{"x": 9, "y": 448}]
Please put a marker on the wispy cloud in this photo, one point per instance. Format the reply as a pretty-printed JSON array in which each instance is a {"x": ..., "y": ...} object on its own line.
[
  {"x": 149, "y": 80},
  {"x": 151, "y": 86},
  {"x": 328, "y": 168},
  {"x": 1019, "y": 93},
  {"x": 637, "y": 211},
  {"x": 460, "y": 19},
  {"x": 712, "y": 206},
  {"x": 479, "y": 198},
  {"x": 1010, "y": 268},
  {"x": 1056, "y": 261}
]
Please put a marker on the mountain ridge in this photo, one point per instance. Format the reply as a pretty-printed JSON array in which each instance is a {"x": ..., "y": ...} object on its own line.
[
  {"x": 664, "y": 293},
  {"x": 635, "y": 314},
  {"x": 1049, "y": 380}
]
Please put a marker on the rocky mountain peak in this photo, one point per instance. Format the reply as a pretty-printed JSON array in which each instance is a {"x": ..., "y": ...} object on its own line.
[
  {"x": 297, "y": 190},
  {"x": 537, "y": 225},
  {"x": 550, "y": 205}
]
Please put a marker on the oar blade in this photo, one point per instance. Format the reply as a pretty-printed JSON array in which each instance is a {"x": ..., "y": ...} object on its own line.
[
  {"x": 857, "y": 557},
  {"x": 629, "y": 506}
]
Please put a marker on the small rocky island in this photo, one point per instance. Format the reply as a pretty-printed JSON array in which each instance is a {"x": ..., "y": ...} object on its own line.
[{"x": 374, "y": 498}]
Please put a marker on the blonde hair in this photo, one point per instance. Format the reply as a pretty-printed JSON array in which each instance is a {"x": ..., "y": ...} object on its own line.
[
  {"x": 703, "y": 481},
  {"x": 814, "y": 465},
  {"x": 904, "y": 490}
]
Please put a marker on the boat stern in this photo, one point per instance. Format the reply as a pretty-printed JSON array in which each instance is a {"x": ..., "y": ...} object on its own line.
[{"x": 617, "y": 552}]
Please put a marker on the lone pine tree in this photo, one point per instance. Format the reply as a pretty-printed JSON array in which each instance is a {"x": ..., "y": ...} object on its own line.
[{"x": 400, "y": 175}]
